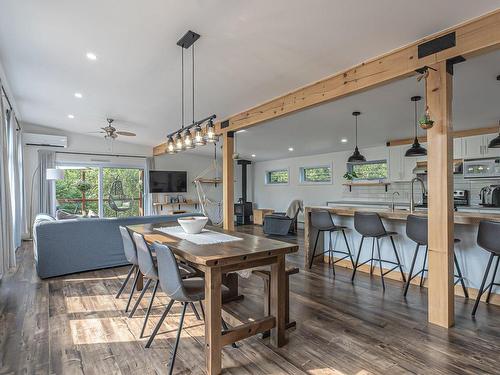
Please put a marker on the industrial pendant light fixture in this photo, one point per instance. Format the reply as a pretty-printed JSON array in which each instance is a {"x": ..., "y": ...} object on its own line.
[
  {"x": 356, "y": 157},
  {"x": 416, "y": 149},
  {"x": 184, "y": 139},
  {"x": 495, "y": 142}
]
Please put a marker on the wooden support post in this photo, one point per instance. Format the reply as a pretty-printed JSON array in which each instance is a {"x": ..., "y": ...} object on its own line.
[
  {"x": 440, "y": 179},
  {"x": 213, "y": 319},
  {"x": 228, "y": 180}
]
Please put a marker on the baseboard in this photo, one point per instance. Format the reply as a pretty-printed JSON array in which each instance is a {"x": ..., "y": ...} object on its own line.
[{"x": 473, "y": 292}]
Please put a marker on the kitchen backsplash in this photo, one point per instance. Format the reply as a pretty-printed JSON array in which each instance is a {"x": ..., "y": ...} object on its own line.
[{"x": 378, "y": 194}]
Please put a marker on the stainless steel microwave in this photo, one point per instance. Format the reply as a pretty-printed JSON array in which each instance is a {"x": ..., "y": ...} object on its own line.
[{"x": 482, "y": 168}]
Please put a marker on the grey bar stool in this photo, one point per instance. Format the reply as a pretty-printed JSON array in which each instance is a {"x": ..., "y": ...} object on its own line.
[
  {"x": 131, "y": 255},
  {"x": 488, "y": 238},
  {"x": 148, "y": 268},
  {"x": 322, "y": 221},
  {"x": 369, "y": 225},
  {"x": 416, "y": 230},
  {"x": 178, "y": 289}
]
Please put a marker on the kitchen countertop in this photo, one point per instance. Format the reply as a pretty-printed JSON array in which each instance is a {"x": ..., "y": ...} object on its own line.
[
  {"x": 402, "y": 204},
  {"x": 467, "y": 218}
]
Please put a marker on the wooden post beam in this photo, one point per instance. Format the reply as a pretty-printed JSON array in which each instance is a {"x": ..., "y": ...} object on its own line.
[
  {"x": 228, "y": 180},
  {"x": 440, "y": 180}
]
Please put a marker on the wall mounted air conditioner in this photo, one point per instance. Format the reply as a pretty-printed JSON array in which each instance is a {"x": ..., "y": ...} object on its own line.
[{"x": 46, "y": 140}]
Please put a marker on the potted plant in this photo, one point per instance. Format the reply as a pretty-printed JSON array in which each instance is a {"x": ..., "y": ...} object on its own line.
[
  {"x": 349, "y": 176},
  {"x": 83, "y": 186}
]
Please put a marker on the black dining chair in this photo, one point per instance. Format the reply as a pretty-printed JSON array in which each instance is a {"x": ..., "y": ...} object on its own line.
[
  {"x": 370, "y": 225},
  {"x": 416, "y": 230},
  {"x": 322, "y": 221},
  {"x": 488, "y": 237}
]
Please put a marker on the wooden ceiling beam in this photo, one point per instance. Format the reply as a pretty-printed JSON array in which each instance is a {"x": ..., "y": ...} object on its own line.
[{"x": 472, "y": 37}]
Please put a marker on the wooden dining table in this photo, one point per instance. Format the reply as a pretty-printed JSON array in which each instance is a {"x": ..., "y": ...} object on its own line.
[{"x": 216, "y": 260}]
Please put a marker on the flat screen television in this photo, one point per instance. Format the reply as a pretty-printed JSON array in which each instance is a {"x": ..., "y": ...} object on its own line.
[{"x": 167, "y": 181}]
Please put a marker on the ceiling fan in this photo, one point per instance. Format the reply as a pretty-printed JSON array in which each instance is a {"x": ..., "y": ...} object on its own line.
[{"x": 112, "y": 133}]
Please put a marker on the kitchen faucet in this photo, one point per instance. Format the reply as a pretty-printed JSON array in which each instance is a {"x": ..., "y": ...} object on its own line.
[{"x": 412, "y": 198}]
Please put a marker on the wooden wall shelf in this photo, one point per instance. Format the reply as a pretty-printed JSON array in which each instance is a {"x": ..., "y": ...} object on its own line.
[
  {"x": 351, "y": 184},
  {"x": 209, "y": 180}
]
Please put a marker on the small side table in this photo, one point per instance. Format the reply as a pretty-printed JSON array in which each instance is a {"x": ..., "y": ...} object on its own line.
[{"x": 259, "y": 213}]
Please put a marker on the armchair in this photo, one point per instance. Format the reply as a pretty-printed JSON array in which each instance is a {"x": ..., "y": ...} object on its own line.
[{"x": 282, "y": 223}]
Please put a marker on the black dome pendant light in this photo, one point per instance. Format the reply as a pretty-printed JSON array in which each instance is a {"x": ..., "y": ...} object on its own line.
[
  {"x": 416, "y": 149},
  {"x": 356, "y": 157},
  {"x": 495, "y": 142}
]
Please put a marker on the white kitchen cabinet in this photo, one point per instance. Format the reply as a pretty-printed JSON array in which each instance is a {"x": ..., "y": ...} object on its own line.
[
  {"x": 400, "y": 167},
  {"x": 476, "y": 146},
  {"x": 395, "y": 163},
  {"x": 490, "y": 152},
  {"x": 473, "y": 146},
  {"x": 457, "y": 148}
]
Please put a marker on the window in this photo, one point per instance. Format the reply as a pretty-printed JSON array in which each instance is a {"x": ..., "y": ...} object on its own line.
[
  {"x": 279, "y": 176},
  {"x": 370, "y": 170},
  {"x": 316, "y": 175},
  {"x": 107, "y": 191}
]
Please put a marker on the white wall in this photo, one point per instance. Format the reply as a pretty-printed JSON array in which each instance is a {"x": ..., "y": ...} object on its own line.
[
  {"x": 76, "y": 143},
  {"x": 279, "y": 196},
  {"x": 195, "y": 165}
]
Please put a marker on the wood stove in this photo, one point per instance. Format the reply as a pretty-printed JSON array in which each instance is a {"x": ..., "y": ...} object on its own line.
[{"x": 243, "y": 209}]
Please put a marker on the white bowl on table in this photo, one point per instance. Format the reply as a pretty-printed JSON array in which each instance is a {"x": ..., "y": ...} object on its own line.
[{"x": 192, "y": 224}]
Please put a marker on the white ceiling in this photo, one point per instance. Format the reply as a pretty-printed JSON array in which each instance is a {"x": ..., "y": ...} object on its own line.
[{"x": 249, "y": 52}]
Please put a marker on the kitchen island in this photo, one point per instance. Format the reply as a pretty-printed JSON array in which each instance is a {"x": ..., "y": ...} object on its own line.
[{"x": 471, "y": 257}]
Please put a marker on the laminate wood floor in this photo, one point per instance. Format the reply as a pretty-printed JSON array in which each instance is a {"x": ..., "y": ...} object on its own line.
[{"x": 74, "y": 325}]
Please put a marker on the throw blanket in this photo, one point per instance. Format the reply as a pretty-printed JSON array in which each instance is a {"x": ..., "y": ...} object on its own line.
[{"x": 294, "y": 208}]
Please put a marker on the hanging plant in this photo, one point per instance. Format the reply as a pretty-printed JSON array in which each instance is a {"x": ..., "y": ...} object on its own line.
[
  {"x": 425, "y": 121},
  {"x": 83, "y": 186}
]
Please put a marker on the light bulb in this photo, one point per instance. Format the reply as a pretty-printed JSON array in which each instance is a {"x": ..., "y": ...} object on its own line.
[
  {"x": 188, "y": 140},
  {"x": 170, "y": 146},
  {"x": 179, "y": 144},
  {"x": 199, "y": 140},
  {"x": 211, "y": 132}
]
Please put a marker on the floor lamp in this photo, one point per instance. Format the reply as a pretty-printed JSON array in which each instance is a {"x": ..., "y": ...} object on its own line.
[{"x": 51, "y": 174}]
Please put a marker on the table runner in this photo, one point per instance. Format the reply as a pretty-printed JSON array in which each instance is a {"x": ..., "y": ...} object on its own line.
[{"x": 206, "y": 237}]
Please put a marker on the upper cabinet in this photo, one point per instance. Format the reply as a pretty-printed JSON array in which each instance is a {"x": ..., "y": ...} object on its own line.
[
  {"x": 401, "y": 167},
  {"x": 476, "y": 146}
]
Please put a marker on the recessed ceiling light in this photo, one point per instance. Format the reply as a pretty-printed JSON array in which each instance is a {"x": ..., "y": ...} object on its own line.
[
  {"x": 78, "y": 95},
  {"x": 253, "y": 155},
  {"x": 91, "y": 56},
  {"x": 241, "y": 131},
  {"x": 71, "y": 116},
  {"x": 343, "y": 140},
  {"x": 290, "y": 148}
]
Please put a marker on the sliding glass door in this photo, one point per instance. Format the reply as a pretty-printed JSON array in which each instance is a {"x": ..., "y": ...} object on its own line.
[
  {"x": 101, "y": 190},
  {"x": 123, "y": 192}
]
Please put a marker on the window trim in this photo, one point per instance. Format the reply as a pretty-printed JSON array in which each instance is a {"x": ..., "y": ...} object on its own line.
[
  {"x": 350, "y": 167},
  {"x": 266, "y": 177},
  {"x": 302, "y": 181}
]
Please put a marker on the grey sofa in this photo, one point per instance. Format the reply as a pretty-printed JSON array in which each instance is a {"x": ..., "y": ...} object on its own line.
[{"x": 77, "y": 245}]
